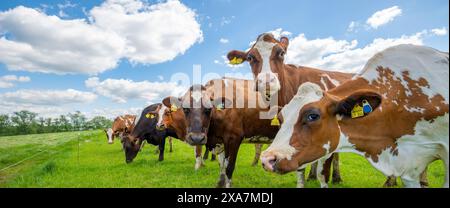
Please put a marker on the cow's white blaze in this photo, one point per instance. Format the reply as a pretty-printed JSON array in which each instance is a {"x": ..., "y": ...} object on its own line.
[
  {"x": 264, "y": 49},
  {"x": 307, "y": 93},
  {"x": 109, "y": 133},
  {"x": 160, "y": 115}
]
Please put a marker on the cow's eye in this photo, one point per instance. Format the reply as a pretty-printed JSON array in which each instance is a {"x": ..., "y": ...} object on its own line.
[
  {"x": 312, "y": 117},
  {"x": 250, "y": 58}
]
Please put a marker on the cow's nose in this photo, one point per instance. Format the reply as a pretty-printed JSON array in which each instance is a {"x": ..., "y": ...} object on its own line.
[
  {"x": 269, "y": 162},
  {"x": 197, "y": 138}
]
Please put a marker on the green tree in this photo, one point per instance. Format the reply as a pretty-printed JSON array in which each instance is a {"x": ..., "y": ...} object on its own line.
[{"x": 23, "y": 121}]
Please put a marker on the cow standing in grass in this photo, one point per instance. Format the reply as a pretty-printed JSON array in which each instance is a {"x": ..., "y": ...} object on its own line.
[
  {"x": 223, "y": 121},
  {"x": 145, "y": 130},
  {"x": 279, "y": 82},
  {"x": 394, "y": 113}
]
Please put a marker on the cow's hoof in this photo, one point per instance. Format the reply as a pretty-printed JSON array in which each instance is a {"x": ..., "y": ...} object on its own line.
[
  {"x": 390, "y": 182},
  {"x": 424, "y": 184},
  {"x": 336, "y": 180}
]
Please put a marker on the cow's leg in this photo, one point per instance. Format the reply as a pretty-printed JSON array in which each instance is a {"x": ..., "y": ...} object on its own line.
[
  {"x": 301, "y": 178},
  {"x": 206, "y": 154},
  {"x": 258, "y": 148},
  {"x": 223, "y": 162},
  {"x": 323, "y": 171},
  {"x": 198, "y": 157},
  {"x": 336, "y": 177},
  {"x": 170, "y": 143},
  {"x": 424, "y": 178},
  {"x": 313, "y": 172},
  {"x": 391, "y": 181},
  {"x": 213, "y": 156},
  {"x": 142, "y": 146},
  {"x": 161, "y": 149},
  {"x": 410, "y": 182},
  {"x": 233, "y": 148}
]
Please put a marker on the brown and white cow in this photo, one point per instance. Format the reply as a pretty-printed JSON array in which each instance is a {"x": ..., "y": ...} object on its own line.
[
  {"x": 279, "y": 81},
  {"x": 121, "y": 124},
  {"x": 224, "y": 128},
  {"x": 174, "y": 120},
  {"x": 404, "y": 125}
]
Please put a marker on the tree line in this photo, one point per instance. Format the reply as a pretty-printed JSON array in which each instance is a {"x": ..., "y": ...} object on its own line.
[{"x": 27, "y": 122}]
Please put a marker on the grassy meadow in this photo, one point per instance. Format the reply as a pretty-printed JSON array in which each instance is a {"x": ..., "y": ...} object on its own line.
[{"x": 84, "y": 159}]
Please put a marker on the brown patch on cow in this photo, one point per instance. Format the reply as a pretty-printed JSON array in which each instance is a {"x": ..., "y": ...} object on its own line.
[{"x": 391, "y": 120}]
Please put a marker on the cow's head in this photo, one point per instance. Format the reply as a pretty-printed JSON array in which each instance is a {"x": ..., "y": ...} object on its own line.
[
  {"x": 310, "y": 127},
  {"x": 266, "y": 58},
  {"x": 197, "y": 106},
  {"x": 131, "y": 146},
  {"x": 109, "y": 135}
]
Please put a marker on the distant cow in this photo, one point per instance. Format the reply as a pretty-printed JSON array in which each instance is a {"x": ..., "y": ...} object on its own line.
[
  {"x": 120, "y": 125},
  {"x": 394, "y": 113},
  {"x": 145, "y": 130}
]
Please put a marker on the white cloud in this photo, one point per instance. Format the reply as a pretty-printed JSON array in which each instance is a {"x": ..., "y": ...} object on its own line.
[
  {"x": 279, "y": 32},
  {"x": 142, "y": 33},
  {"x": 72, "y": 46},
  {"x": 439, "y": 31},
  {"x": 384, "y": 16},
  {"x": 154, "y": 33},
  {"x": 121, "y": 90},
  {"x": 7, "y": 81},
  {"x": 341, "y": 55},
  {"x": 46, "y": 97},
  {"x": 223, "y": 40}
]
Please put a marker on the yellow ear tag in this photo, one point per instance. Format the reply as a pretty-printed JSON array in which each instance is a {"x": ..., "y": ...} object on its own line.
[
  {"x": 219, "y": 107},
  {"x": 152, "y": 116},
  {"x": 357, "y": 111},
  {"x": 275, "y": 121},
  {"x": 173, "y": 108},
  {"x": 147, "y": 115},
  {"x": 236, "y": 61}
]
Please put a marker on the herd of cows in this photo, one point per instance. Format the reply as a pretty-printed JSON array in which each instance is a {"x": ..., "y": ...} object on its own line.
[{"x": 394, "y": 113}]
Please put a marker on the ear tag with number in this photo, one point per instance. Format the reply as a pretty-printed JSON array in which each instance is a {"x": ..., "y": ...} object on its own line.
[
  {"x": 357, "y": 111},
  {"x": 219, "y": 107},
  {"x": 173, "y": 108},
  {"x": 275, "y": 121},
  {"x": 366, "y": 107},
  {"x": 149, "y": 115},
  {"x": 236, "y": 61}
]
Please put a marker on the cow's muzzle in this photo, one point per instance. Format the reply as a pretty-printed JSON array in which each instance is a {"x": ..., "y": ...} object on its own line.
[{"x": 196, "y": 138}]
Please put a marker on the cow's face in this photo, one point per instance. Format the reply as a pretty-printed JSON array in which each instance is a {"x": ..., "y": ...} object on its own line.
[
  {"x": 161, "y": 113},
  {"x": 310, "y": 129},
  {"x": 266, "y": 58},
  {"x": 109, "y": 135},
  {"x": 131, "y": 147},
  {"x": 197, "y": 107}
]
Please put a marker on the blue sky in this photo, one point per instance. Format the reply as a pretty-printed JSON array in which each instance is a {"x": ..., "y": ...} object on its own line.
[{"x": 321, "y": 29}]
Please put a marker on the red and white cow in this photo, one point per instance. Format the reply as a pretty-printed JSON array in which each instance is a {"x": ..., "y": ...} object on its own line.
[
  {"x": 394, "y": 113},
  {"x": 121, "y": 124}
]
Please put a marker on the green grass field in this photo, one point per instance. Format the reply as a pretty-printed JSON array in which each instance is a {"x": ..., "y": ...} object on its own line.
[{"x": 69, "y": 160}]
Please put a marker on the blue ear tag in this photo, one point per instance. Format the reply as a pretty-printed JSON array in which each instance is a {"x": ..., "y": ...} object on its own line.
[{"x": 366, "y": 107}]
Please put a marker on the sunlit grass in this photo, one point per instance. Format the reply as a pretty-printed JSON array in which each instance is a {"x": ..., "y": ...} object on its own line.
[{"x": 98, "y": 164}]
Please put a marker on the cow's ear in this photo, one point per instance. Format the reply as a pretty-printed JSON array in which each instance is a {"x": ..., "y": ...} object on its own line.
[
  {"x": 358, "y": 104},
  {"x": 236, "y": 57},
  {"x": 171, "y": 101},
  {"x": 284, "y": 41}
]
